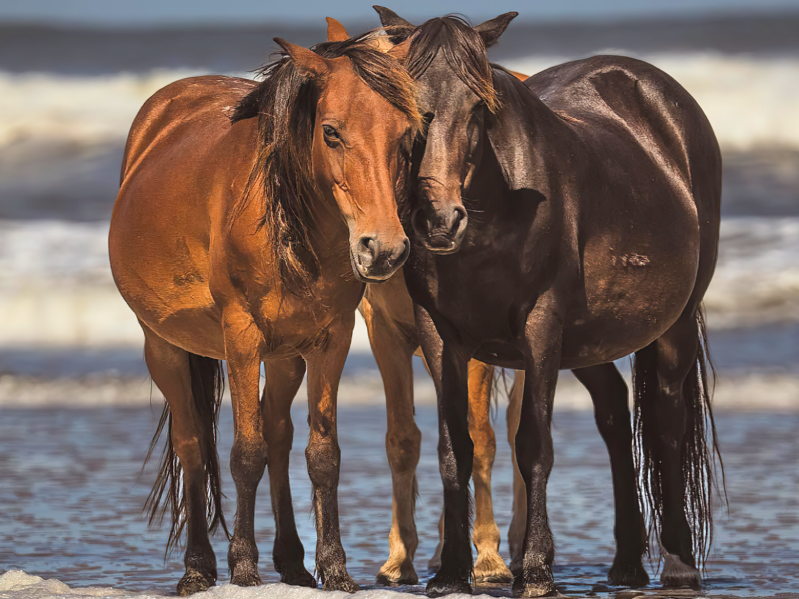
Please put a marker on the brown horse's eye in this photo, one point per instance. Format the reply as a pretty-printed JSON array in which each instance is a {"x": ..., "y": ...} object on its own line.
[{"x": 331, "y": 135}]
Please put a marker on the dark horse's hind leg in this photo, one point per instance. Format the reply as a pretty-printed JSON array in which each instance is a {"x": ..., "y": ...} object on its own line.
[
  {"x": 283, "y": 379},
  {"x": 169, "y": 367},
  {"x": 609, "y": 394},
  {"x": 670, "y": 359}
]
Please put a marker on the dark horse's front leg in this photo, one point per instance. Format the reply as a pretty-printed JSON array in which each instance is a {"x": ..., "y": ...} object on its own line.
[
  {"x": 541, "y": 346},
  {"x": 449, "y": 369},
  {"x": 324, "y": 456}
]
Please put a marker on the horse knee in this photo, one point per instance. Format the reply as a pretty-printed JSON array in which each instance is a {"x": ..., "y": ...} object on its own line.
[
  {"x": 454, "y": 471},
  {"x": 248, "y": 459},
  {"x": 403, "y": 450},
  {"x": 323, "y": 456}
]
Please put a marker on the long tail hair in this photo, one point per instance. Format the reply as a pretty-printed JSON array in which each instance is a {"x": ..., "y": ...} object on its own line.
[
  {"x": 701, "y": 458},
  {"x": 168, "y": 493}
]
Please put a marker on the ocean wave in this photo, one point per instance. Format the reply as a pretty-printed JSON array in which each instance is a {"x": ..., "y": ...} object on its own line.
[
  {"x": 56, "y": 286},
  {"x": 752, "y": 102}
]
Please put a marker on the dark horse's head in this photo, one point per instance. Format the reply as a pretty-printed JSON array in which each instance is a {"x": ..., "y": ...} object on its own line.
[{"x": 448, "y": 59}]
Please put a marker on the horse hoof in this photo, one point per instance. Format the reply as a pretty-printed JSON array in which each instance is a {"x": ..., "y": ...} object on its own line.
[
  {"x": 193, "y": 582},
  {"x": 245, "y": 574},
  {"x": 491, "y": 568},
  {"x": 299, "y": 578},
  {"x": 439, "y": 586},
  {"x": 677, "y": 574},
  {"x": 391, "y": 576},
  {"x": 534, "y": 583},
  {"x": 628, "y": 575},
  {"x": 340, "y": 582}
]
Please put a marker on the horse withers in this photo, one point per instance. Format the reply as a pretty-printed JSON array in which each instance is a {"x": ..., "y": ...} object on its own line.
[
  {"x": 566, "y": 222},
  {"x": 248, "y": 219}
]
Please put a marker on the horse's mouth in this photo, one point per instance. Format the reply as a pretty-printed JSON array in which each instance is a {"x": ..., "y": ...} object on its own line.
[{"x": 442, "y": 245}]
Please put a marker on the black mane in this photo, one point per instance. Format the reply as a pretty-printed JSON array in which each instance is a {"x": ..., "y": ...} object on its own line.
[{"x": 463, "y": 48}]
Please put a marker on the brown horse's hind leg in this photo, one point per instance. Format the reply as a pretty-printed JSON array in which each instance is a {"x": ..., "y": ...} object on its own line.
[
  {"x": 489, "y": 567},
  {"x": 660, "y": 375},
  {"x": 324, "y": 455},
  {"x": 518, "y": 522},
  {"x": 609, "y": 394},
  {"x": 283, "y": 379},
  {"x": 248, "y": 455},
  {"x": 393, "y": 353},
  {"x": 169, "y": 367}
]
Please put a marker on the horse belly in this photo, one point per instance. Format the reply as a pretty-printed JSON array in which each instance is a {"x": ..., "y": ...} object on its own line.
[{"x": 631, "y": 297}]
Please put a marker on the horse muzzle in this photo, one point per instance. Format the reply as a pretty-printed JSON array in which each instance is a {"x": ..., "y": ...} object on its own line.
[
  {"x": 375, "y": 262},
  {"x": 440, "y": 228}
]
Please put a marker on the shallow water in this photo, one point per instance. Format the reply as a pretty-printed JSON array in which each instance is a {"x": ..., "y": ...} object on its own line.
[{"x": 70, "y": 500}]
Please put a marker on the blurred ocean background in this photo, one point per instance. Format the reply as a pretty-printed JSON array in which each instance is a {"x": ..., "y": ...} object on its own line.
[{"x": 72, "y": 77}]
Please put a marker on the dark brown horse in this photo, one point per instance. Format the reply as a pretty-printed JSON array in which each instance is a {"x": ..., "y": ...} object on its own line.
[
  {"x": 592, "y": 196},
  {"x": 248, "y": 220}
]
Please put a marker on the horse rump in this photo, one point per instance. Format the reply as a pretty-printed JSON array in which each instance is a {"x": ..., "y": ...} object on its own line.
[{"x": 168, "y": 493}]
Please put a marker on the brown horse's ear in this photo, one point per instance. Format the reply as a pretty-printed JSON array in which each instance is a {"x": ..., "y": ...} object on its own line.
[
  {"x": 336, "y": 31},
  {"x": 307, "y": 61},
  {"x": 491, "y": 30},
  {"x": 388, "y": 18}
]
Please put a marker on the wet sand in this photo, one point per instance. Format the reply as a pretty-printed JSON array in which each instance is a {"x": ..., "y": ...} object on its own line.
[{"x": 70, "y": 500}]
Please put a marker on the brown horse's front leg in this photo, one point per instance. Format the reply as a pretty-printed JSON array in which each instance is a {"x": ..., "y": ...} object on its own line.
[
  {"x": 449, "y": 369},
  {"x": 283, "y": 379},
  {"x": 324, "y": 456},
  {"x": 248, "y": 456},
  {"x": 541, "y": 346},
  {"x": 393, "y": 352},
  {"x": 490, "y": 567}
]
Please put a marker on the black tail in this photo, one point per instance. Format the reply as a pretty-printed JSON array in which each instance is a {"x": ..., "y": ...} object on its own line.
[
  {"x": 207, "y": 387},
  {"x": 701, "y": 457}
]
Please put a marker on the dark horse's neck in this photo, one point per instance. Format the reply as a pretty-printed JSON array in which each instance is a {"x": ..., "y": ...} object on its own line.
[{"x": 527, "y": 137}]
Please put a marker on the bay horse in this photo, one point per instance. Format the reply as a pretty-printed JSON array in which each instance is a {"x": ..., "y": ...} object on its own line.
[
  {"x": 249, "y": 218},
  {"x": 388, "y": 312},
  {"x": 592, "y": 193}
]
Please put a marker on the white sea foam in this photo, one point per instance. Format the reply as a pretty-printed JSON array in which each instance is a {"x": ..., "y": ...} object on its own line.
[
  {"x": 16, "y": 584},
  {"x": 751, "y": 102}
]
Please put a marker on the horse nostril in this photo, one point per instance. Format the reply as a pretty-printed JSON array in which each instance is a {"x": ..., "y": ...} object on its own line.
[
  {"x": 458, "y": 215},
  {"x": 368, "y": 250},
  {"x": 401, "y": 253},
  {"x": 419, "y": 221}
]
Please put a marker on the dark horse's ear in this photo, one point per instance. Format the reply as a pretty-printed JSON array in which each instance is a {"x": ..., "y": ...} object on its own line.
[
  {"x": 307, "y": 61},
  {"x": 388, "y": 18},
  {"x": 491, "y": 30},
  {"x": 336, "y": 31}
]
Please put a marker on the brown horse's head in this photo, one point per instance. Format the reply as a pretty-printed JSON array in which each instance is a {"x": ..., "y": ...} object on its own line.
[
  {"x": 448, "y": 59},
  {"x": 337, "y": 121},
  {"x": 361, "y": 145}
]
